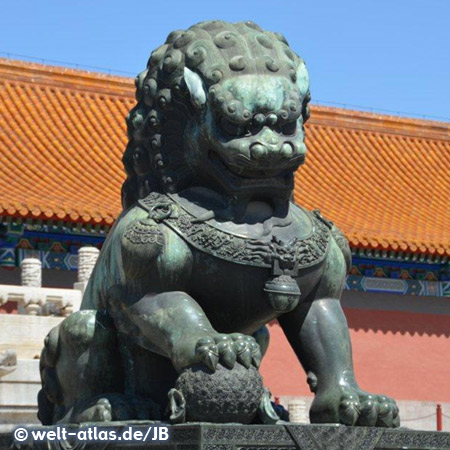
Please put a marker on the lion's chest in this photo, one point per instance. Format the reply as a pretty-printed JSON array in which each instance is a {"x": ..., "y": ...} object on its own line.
[{"x": 233, "y": 296}]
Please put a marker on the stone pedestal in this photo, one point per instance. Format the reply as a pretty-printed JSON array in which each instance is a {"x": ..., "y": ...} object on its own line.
[{"x": 255, "y": 437}]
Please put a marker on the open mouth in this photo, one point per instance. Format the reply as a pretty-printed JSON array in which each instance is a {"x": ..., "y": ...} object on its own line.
[{"x": 247, "y": 176}]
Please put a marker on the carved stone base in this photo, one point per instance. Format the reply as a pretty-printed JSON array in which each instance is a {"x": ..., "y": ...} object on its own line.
[{"x": 253, "y": 437}]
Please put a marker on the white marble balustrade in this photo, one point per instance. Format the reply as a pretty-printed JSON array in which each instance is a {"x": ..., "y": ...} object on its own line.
[{"x": 39, "y": 301}]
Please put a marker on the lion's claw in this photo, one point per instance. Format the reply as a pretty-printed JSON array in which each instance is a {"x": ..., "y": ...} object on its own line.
[
  {"x": 227, "y": 354},
  {"x": 369, "y": 413},
  {"x": 256, "y": 358},
  {"x": 245, "y": 358},
  {"x": 385, "y": 414},
  {"x": 228, "y": 349},
  {"x": 208, "y": 353},
  {"x": 349, "y": 411}
]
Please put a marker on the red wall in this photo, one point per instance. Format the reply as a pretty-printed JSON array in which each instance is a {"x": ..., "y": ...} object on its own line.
[{"x": 404, "y": 355}]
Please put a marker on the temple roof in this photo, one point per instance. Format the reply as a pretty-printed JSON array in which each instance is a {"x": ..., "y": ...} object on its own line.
[{"x": 384, "y": 180}]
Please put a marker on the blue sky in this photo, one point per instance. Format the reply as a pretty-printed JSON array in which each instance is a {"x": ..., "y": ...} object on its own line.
[{"x": 381, "y": 54}]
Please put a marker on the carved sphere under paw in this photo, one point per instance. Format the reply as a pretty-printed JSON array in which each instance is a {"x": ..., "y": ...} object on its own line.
[{"x": 226, "y": 395}]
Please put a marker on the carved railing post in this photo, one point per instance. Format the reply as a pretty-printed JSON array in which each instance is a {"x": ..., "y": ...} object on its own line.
[
  {"x": 298, "y": 411},
  {"x": 31, "y": 277},
  {"x": 31, "y": 272},
  {"x": 87, "y": 257}
]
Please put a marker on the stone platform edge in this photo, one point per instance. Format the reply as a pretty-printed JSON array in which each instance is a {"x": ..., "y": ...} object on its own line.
[{"x": 248, "y": 437}]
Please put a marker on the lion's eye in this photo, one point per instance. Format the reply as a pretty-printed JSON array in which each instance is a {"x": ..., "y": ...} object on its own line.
[
  {"x": 231, "y": 128},
  {"x": 289, "y": 128}
]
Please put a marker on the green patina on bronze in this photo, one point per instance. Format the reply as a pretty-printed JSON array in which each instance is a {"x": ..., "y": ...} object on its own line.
[{"x": 208, "y": 250}]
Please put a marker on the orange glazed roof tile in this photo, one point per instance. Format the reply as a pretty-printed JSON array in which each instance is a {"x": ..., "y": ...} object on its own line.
[{"x": 385, "y": 181}]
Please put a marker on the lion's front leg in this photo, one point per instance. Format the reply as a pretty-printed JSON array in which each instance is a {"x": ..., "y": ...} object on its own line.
[
  {"x": 319, "y": 335},
  {"x": 318, "y": 332},
  {"x": 173, "y": 325}
]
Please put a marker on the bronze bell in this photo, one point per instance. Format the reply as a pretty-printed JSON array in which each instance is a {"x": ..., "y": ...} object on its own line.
[{"x": 283, "y": 293}]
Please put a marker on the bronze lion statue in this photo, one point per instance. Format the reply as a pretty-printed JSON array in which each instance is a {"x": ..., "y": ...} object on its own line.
[{"x": 209, "y": 248}]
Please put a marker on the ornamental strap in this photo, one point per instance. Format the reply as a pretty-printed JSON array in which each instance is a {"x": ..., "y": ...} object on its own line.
[{"x": 288, "y": 255}]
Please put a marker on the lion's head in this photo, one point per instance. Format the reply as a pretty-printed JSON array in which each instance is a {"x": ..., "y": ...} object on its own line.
[{"x": 220, "y": 105}]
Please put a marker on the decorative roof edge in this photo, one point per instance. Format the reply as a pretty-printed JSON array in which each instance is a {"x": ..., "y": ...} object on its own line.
[
  {"x": 63, "y": 77},
  {"x": 66, "y": 223},
  {"x": 400, "y": 255},
  {"x": 383, "y": 123}
]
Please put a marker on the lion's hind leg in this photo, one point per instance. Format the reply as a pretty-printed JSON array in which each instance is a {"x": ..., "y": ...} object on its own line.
[{"x": 82, "y": 374}]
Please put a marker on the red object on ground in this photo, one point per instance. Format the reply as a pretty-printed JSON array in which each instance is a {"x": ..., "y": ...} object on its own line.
[
  {"x": 438, "y": 417},
  {"x": 9, "y": 308}
]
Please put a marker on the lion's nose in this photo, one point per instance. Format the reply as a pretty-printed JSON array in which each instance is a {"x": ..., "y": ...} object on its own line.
[{"x": 260, "y": 151}]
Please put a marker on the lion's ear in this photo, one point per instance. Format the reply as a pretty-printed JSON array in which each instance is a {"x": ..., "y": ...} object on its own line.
[
  {"x": 302, "y": 78},
  {"x": 195, "y": 87}
]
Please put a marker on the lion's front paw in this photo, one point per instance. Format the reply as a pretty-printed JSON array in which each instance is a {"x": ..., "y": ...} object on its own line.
[
  {"x": 212, "y": 348},
  {"x": 350, "y": 406},
  {"x": 228, "y": 349}
]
